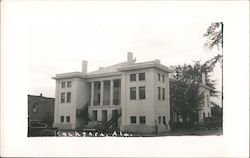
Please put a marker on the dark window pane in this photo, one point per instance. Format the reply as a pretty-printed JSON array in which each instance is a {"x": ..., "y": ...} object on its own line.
[
  {"x": 69, "y": 84},
  {"x": 62, "y": 97},
  {"x": 159, "y": 120},
  {"x": 132, "y": 77},
  {"x": 142, "y": 120},
  {"x": 141, "y": 76},
  {"x": 163, "y": 93},
  {"x": 68, "y": 119},
  {"x": 159, "y": 77},
  {"x": 142, "y": 92},
  {"x": 68, "y": 97},
  {"x": 133, "y": 93},
  {"x": 132, "y": 119},
  {"x": 159, "y": 93},
  {"x": 62, "y": 118},
  {"x": 63, "y": 84}
]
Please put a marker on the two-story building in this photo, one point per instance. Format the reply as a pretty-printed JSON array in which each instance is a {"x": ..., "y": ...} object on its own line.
[{"x": 130, "y": 96}]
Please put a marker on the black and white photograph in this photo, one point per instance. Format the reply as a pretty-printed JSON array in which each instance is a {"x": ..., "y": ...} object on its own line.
[{"x": 86, "y": 74}]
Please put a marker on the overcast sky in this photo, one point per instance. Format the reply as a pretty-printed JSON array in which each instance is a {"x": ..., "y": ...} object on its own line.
[{"x": 59, "y": 36}]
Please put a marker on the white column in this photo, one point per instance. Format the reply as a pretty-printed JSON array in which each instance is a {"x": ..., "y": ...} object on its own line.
[
  {"x": 101, "y": 93},
  {"x": 92, "y": 94},
  {"x": 111, "y": 91}
]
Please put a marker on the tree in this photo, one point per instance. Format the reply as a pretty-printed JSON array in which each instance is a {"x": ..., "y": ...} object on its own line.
[{"x": 185, "y": 95}]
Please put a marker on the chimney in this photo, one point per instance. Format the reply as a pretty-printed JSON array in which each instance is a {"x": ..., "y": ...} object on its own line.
[
  {"x": 84, "y": 66},
  {"x": 203, "y": 78},
  {"x": 130, "y": 57}
]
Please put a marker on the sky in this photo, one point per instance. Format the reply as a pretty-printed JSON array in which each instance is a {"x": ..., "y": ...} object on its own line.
[{"x": 59, "y": 36}]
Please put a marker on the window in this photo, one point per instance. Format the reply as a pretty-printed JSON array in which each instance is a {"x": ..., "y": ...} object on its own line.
[
  {"x": 208, "y": 101},
  {"x": 159, "y": 120},
  {"x": 142, "y": 119},
  {"x": 163, "y": 78},
  {"x": 133, "y": 120},
  {"x": 116, "y": 84},
  {"x": 132, "y": 77},
  {"x": 133, "y": 93},
  {"x": 204, "y": 114},
  {"x": 62, "y": 97},
  {"x": 164, "y": 120},
  {"x": 163, "y": 93},
  {"x": 34, "y": 108},
  {"x": 68, "y": 119},
  {"x": 141, "y": 92},
  {"x": 159, "y": 93},
  {"x": 68, "y": 97},
  {"x": 62, "y": 118},
  {"x": 69, "y": 84},
  {"x": 141, "y": 76},
  {"x": 159, "y": 77},
  {"x": 63, "y": 84}
]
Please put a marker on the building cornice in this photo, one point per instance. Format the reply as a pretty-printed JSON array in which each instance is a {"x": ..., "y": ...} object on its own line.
[{"x": 69, "y": 75}]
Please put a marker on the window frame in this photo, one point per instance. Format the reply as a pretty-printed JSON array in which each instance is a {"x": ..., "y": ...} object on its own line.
[
  {"x": 63, "y": 84},
  {"x": 62, "y": 97},
  {"x": 159, "y": 119},
  {"x": 131, "y": 77},
  {"x": 142, "y": 120},
  {"x": 163, "y": 94},
  {"x": 134, "y": 90},
  {"x": 142, "y": 95},
  {"x": 142, "y": 78},
  {"x": 159, "y": 77},
  {"x": 132, "y": 118},
  {"x": 159, "y": 93},
  {"x": 69, "y": 84},
  {"x": 68, "y": 119},
  {"x": 62, "y": 119},
  {"x": 68, "y": 100}
]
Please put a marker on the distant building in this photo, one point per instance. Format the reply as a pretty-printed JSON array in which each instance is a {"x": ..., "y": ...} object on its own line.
[
  {"x": 130, "y": 96},
  {"x": 41, "y": 108}
]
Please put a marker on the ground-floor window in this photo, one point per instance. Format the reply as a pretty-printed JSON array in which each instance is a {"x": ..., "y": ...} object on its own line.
[
  {"x": 68, "y": 119},
  {"x": 164, "y": 119},
  {"x": 62, "y": 118},
  {"x": 159, "y": 120},
  {"x": 133, "y": 119},
  {"x": 142, "y": 119}
]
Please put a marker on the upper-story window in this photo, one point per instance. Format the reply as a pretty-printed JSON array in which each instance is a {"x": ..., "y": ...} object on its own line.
[
  {"x": 34, "y": 108},
  {"x": 116, "y": 83},
  {"x": 159, "y": 93},
  {"x": 163, "y": 78},
  {"x": 63, "y": 84},
  {"x": 208, "y": 101},
  {"x": 68, "y": 97},
  {"x": 132, "y": 77},
  {"x": 69, "y": 83},
  {"x": 141, "y": 76},
  {"x": 159, "y": 77},
  {"x": 132, "y": 93},
  {"x": 163, "y": 93},
  {"x": 142, "y": 93},
  {"x": 62, "y": 97}
]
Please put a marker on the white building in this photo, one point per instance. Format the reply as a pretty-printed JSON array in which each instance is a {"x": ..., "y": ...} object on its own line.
[{"x": 131, "y": 96}]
